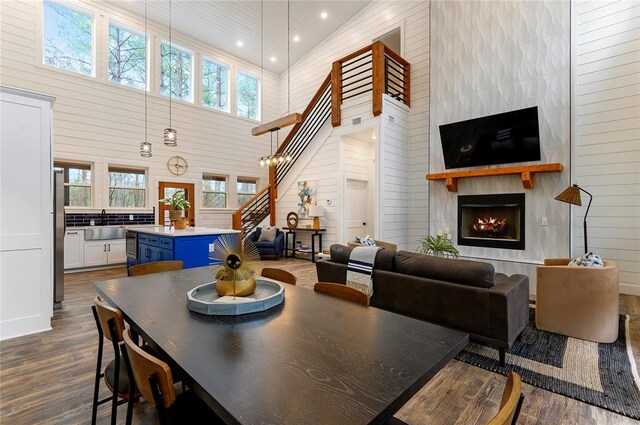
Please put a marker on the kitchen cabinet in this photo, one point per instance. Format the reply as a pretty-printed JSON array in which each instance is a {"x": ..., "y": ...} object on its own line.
[
  {"x": 73, "y": 249},
  {"x": 99, "y": 253}
]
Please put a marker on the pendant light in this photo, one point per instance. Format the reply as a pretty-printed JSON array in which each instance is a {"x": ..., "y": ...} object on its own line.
[
  {"x": 145, "y": 145},
  {"x": 170, "y": 134}
]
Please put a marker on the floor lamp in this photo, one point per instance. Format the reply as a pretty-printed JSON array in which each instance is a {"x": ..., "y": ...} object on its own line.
[{"x": 571, "y": 195}]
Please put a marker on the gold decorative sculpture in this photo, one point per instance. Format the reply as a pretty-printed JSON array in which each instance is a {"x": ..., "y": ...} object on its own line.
[{"x": 232, "y": 259}]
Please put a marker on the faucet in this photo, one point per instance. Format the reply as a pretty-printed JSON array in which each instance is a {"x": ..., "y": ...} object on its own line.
[{"x": 103, "y": 215}]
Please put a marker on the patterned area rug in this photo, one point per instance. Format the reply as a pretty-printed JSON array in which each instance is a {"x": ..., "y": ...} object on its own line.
[{"x": 603, "y": 375}]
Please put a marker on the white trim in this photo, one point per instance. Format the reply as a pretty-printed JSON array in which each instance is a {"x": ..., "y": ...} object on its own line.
[{"x": 632, "y": 360}]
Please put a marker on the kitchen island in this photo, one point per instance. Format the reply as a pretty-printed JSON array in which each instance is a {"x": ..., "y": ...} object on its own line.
[{"x": 159, "y": 243}]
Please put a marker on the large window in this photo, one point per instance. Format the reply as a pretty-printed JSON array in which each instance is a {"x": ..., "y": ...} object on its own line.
[
  {"x": 246, "y": 188},
  {"x": 77, "y": 183},
  {"x": 127, "y": 187},
  {"x": 127, "y": 57},
  {"x": 215, "y": 85},
  {"x": 176, "y": 67},
  {"x": 248, "y": 96},
  {"x": 68, "y": 39},
  {"x": 214, "y": 191}
]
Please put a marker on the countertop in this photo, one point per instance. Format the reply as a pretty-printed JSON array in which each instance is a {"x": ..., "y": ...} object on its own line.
[{"x": 172, "y": 232}]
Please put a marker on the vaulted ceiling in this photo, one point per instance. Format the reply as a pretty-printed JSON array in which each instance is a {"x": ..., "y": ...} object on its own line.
[{"x": 223, "y": 24}]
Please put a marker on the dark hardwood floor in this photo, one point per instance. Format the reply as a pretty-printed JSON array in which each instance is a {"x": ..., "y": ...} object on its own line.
[{"x": 48, "y": 378}]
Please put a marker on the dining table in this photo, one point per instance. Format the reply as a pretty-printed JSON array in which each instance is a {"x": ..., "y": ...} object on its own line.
[{"x": 314, "y": 359}]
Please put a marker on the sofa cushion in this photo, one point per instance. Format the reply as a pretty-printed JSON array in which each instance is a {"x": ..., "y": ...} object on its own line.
[
  {"x": 268, "y": 234},
  {"x": 472, "y": 273},
  {"x": 384, "y": 257},
  {"x": 264, "y": 244}
]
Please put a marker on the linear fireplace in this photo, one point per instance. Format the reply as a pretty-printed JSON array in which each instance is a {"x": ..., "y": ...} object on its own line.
[{"x": 495, "y": 221}]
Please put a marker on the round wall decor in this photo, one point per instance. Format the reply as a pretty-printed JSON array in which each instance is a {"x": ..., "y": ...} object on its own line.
[
  {"x": 292, "y": 219},
  {"x": 177, "y": 165}
]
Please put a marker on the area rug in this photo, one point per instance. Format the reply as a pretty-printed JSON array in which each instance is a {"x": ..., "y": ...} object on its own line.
[{"x": 604, "y": 375}]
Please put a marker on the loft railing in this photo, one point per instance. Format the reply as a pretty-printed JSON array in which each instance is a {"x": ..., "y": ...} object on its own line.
[{"x": 374, "y": 68}]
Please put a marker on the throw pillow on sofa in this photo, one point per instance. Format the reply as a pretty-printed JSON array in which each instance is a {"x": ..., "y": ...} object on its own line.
[
  {"x": 268, "y": 235},
  {"x": 590, "y": 259},
  {"x": 366, "y": 240}
]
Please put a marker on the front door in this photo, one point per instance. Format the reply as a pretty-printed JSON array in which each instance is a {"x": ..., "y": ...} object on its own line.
[
  {"x": 166, "y": 189},
  {"x": 357, "y": 209}
]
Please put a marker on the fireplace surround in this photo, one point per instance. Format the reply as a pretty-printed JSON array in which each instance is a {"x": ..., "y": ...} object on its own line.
[{"x": 492, "y": 221}]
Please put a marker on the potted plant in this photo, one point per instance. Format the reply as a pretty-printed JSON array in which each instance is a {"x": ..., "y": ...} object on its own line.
[
  {"x": 438, "y": 246},
  {"x": 178, "y": 205}
]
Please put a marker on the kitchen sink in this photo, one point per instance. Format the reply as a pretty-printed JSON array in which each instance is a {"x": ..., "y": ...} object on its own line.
[{"x": 101, "y": 233}]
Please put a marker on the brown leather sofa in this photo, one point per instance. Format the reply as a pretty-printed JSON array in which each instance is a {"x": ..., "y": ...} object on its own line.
[{"x": 460, "y": 294}]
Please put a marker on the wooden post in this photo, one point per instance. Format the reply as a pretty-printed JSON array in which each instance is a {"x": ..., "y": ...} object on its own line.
[
  {"x": 236, "y": 220},
  {"x": 407, "y": 85},
  {"x": 272, "y": 205},
  {"x": 378, "y": 76},
  {"x": 336, "y": 93}
]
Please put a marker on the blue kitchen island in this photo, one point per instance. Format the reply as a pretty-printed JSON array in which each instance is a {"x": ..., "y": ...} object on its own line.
[{"x": 158, "y": 243}]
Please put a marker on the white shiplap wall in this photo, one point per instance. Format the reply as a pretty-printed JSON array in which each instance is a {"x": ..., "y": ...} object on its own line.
[
  {"x": 103, "y": 123},
  {"x": 607, "y": 132},
  {"x": 375, "y": 20}
]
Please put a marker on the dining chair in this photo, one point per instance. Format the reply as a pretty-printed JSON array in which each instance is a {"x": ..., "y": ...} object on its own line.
[
  {"x": 339, "y": 290},
  {"x": 279, "y": 275},
  {"x": 154, "y": 379},
  {"x": 511, "y": 402},
  {"x": 155, "y": 267},
  {"x": 110, "y": 324}
]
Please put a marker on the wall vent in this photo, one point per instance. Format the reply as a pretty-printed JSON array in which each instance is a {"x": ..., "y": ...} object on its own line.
[
  {"x": 356, "y": 121},
  {"x": 392, "y": 119}
]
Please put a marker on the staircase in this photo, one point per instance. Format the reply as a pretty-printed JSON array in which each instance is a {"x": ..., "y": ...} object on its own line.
[{"x": 374, "y": 68}]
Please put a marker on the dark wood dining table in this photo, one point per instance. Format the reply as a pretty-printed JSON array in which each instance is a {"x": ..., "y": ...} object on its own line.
[{"x": 312, "y": 360}]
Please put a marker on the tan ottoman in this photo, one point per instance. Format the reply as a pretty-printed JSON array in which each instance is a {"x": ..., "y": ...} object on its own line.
[{"x": 581, "y": 302}]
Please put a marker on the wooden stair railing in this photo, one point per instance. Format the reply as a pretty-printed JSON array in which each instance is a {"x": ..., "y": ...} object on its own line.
[{"x": 374, "y": 68}]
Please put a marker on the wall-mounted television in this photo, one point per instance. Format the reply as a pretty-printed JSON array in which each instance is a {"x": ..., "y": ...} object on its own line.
[{"x": 495, "y": 139}]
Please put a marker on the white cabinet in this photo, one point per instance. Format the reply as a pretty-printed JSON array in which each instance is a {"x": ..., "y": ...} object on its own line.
[
  {"x": 73, "y": 249},
  {"x": 99, "y": 253},
  {"x": 116, "y": 251}
]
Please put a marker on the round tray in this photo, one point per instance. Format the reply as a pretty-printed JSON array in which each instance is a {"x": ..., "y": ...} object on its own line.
[{"x": 204, "y": 299}]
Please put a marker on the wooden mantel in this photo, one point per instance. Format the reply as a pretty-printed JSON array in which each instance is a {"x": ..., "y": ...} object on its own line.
[{"x": 526, "y": 174}]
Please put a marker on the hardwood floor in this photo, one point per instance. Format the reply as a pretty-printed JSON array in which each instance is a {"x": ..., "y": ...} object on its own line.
[{"x": 48, "y": 378}]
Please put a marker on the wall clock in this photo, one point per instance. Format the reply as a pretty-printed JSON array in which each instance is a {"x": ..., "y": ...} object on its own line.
[{"x": 177, "y": 165}]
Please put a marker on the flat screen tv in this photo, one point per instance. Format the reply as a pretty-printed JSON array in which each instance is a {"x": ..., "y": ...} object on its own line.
[{"x": 494, "y": 139}]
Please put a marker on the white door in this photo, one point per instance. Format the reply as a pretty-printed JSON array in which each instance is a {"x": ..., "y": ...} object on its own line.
[
  {"x": 357, "y": 209},
  {"x": 26, "y": 219},
  {"x": 95, "y": 253},
  {"x": 116, "y": 251},
  {"x": 73, "y": 249}
]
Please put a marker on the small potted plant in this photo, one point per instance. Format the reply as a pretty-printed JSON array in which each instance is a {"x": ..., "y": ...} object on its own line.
[
  {"x": 178, "y": 205},
  {"x": 438, "y": 246}
]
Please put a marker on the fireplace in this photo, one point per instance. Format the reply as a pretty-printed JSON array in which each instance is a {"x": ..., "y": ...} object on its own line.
[{"x": 494, "y": 221}]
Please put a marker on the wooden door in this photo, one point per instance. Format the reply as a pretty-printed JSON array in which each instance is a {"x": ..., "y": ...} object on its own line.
[{"x": 166, "y": 189}]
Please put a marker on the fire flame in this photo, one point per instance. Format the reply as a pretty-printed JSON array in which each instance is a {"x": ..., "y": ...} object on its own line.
[{"x": 490, "y": 225}]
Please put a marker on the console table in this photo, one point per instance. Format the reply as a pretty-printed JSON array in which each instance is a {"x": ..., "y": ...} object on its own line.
[{"x": 314, "y": 233}]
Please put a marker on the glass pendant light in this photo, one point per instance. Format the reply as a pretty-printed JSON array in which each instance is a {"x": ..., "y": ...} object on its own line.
[
  {"x": 170, "y": 133},
  {"x": 145, "y": 145}
]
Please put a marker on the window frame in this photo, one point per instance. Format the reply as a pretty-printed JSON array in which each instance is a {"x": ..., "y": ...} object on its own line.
[
  {"x": 226, "y": 192},
  {"x": 94, "y": 38},
  {"x": 66, "y": 164},
  {"x": 203, "y": 59},
  {"x": 259, "y": 94},
  {"x": 192, "y": 73},
  {"x": 147, "y": 53},
  {"x": 124, "y": 168},
  {"x": 238, "y": 193}
]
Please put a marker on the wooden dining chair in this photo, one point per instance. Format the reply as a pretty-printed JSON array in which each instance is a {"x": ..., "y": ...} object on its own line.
[
  {"x": 155, "y": 267},
  {"x": 154, "y": 379},
  {"x": 279, "y": 275},
  {"x": 110, "y": 324},
  {"x": 511, "y": 403},
  {"x": 339, "y": 290}
]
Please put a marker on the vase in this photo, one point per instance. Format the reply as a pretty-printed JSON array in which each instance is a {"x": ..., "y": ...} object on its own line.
[
  {"x": 243, "y": 287},
  {"x": 178, "y": 220}
]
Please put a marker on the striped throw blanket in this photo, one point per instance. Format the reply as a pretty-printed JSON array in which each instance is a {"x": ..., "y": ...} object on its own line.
[{"x": 360, "y": 268}]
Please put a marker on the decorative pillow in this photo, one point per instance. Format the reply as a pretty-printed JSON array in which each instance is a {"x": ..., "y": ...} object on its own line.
[
  {"x": 590, "y": 259},
  {"x": 366, "y": 240},
  {"x": 268, "y": 234}
]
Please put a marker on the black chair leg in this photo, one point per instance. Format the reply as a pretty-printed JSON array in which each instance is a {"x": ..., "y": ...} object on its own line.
[
  {"x": 127, "y": 363},
  {"x": 96, "y": 389},
  {"x": 116, "y": 377},
  {"x": 502, "y": 353},
  {"x": 517, "y": 412}
]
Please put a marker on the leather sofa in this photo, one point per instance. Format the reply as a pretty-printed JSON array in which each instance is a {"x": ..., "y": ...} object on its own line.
[
  {"x": 460, "y": 294},
  {"x": 274, "y": 247}
]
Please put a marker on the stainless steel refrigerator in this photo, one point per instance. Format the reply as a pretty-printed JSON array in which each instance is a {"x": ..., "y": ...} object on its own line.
[{"x": 59, "y": 228}]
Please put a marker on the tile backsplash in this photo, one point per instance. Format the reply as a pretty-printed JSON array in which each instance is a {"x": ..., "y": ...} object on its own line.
[{"x": 110, "y": 219}]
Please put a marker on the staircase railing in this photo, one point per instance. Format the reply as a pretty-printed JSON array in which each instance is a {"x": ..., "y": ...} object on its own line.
[{"x": 374, "y": 68}]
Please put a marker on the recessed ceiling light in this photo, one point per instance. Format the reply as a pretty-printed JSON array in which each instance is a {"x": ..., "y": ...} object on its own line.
[
  {"x": 239, "y": 43},
  {"x": 296, "y": 38},
  {"x": 273, "y": 58},
  {"x": 373, "y": 136},
  {"x": 324, "y": 15}
]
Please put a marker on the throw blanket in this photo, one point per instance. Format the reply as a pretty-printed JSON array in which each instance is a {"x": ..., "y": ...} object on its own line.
[{"x": 360, "y": 268}]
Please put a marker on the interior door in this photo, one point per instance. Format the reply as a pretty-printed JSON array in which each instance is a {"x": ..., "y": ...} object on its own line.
[
  {"x": 357, "y": 212},
  {"x": 166, "y": 189}
]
